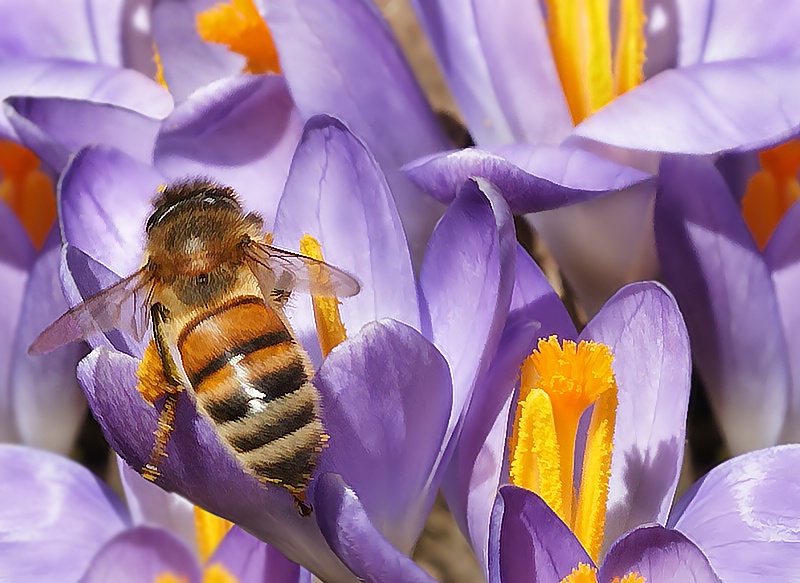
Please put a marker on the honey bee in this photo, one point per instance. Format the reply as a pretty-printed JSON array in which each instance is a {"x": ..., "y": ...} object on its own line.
[{"x": 212, "y": 289}]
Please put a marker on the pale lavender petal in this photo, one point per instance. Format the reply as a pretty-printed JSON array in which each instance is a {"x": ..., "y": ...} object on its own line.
[
  {"x": 661, "y": 33},
  {"x": 218, "y": 484},
  {"x": 16, "y": 259},
  {"x": 723, "y": 287},
  {"x": 76, "y": 80},
  {"x": 386, "y": 398},
  {"x": 718, "y": 30},
  {"x": 356, "y": 541},
  {"x": 658, "y": 555},
  {"x": 783, "y": 260},
  {"x": 652, "y": 365},
  {"x": 54, "y": 128},
  {"x": 514, "y": 40},
  {"x": 189, "y": 62},
  {"x": 531, "y": 178},
  {"x": 466, "y": 283},
  {"x": 530, "y": 542},
  {"x": 452, "y": 31},
  {"x": 103, "y": 205},
  {"x": 241, "y": 131},
  {"x": 339, "y": 58},
  {"x": 142, "y": 555},
  {"x": 337, "y": 193},
  {"x": 54, "y": 517},
  {"x": 251, "y": 561},
  {"x": 479, "y": 463},
  {"x": 137, "y": 36},
  {"x": 149, "y": 505},
  {"x": 48, "y": 404},
  {"x": 745, "y": 516},
  {"x": 694, "y": 110}
]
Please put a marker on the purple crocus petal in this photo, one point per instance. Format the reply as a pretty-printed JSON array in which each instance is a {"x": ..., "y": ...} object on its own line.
[
  {"x": 48, "y": 404},
  {"x": 658, "y": 555},
  {"x": 652, "y": 365},
  {"x": 466, "y": 283},
  {"x": 339, "y": 58},
  {"x": 55, "y": 516},
  {"x": 692, "y": 110},
  {"x": 782, "y": 256},
  {"x": 189, "y": 62},
  {"x": 337, "y": 193},
  {"x": 16, "y": 258},
  {"x": 251, "y": 561},
  {"x": 142, "y": 555},
  {"x": 54, "y": 128},
  {"x": 513, "y": 37},
  {"x": 714, "y": 30},
  {"x": 149, "y": 505},
  {"x": 355, "y": 540},
  {"x": 386, "y": 398},
  {"x": 478, "y": 466},
  {"x": 199, "y": 466},
  {"x": 711, "y": 263},
  {"x": 531, "y": 178},
  {"x": 745, "y": 516},
  {"x": 242, "y": 131},
  {"x": 104, "y": 201},
  {"x": 76, "y": 80},
  {"x": 452, "y": 29},
  {"x": 530, "y": 542}
]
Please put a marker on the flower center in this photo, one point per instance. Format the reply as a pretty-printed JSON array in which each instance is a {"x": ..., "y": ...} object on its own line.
[
  {"x": 583, "y": 573},
  {"x": 27, "y": 190},
  {"x": 772, "y": 190},
  {"x": 558, "y": 383},
  {"x": 330, "y": 328},
  {"x": 240, "y": 27},
  {"x": 580, "y": 38}
]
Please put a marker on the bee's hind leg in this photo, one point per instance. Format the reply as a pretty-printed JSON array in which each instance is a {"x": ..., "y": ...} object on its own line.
[
  {"x": 174, "y": 386},
  {"x": 303, "y": 508}
]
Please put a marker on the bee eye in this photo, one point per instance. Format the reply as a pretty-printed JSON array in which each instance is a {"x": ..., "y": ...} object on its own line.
[{"x": 202, "y": 279}]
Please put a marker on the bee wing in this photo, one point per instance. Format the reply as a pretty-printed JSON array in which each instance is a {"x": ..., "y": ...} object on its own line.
[
  {"x": 123, "y": 306},
  {"x": 285, "y": 270}
]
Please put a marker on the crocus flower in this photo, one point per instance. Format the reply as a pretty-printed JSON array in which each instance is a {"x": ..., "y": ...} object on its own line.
[
  {"x": 61, "y": 523},
  {"x": 554, "y": 113},
  {"x": 389, "y": 405},
  {"x": 738, "y": 302},
  {"x": 738, "y": 522}
]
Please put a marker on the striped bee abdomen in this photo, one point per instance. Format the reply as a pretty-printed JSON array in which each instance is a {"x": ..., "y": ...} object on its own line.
[{"x": 253, "y": 380}]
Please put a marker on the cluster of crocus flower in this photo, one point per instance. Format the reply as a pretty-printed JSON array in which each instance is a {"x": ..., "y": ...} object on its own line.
[{"x": 457, "y": 366}]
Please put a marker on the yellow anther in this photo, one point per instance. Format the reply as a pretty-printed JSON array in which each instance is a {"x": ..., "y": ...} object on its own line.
[
  {"x": 210, "y": 530},
  {"x": 159, "y": 68},
  {"x": 170, "y": 578},
  {"x": 583, "y": 573},
  {"x": 580, "y": 40},
  {"x": 772, "y": 190},
  {"x": 330, "y": 328},
  {"x": 629, "y": 578},
  {"x": 240, "y": 27},
  {"x": 558, "y": 383},
  {"x": 27, "y": 190},
  {"x": 216, "y": 573}
]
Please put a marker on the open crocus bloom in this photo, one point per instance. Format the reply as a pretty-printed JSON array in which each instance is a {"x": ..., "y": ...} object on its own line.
[
  {"x": 726, "y": 285},
  {"x": 555, "y": 111},
  {"x": 388, "y": 402}
]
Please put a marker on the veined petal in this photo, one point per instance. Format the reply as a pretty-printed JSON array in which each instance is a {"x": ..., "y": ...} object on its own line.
[
  {"x": 356, "y": 541},
  {"x": 386, "y": 400},
  {"x": 143, "y": 554},
  {"x": 658, "y": 555},
  {"x": 693, "y": 110},
  {"x": 253, "y": 561},
  {"x": 652, "y": 366},
  {"x": 531, "y": 178},
  {"x": 337, "y": 193},
  {"x": 723, "y": 287},
  {"x": 242, "y": 131},
  {"x": 55, "y": 518},
  {"x": 339, "y": 58},
  {"x": 745, "y": 516}
]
